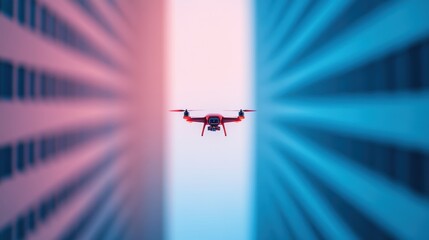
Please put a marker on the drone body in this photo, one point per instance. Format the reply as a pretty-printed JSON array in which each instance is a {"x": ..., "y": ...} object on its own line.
[{"x": 213, "y": 121}]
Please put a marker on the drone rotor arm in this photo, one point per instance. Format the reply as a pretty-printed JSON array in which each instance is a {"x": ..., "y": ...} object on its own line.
[
  {"x": 197, "y": 119},
  {"x": 230, "y": 119}
]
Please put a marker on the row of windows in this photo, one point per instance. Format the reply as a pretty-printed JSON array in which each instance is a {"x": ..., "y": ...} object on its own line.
[
  {"x": 25, "y": 83},
  {"x": 405, "y": 70},
  {"x": 26, "y": 154},
  {"x": 27, "y": 13},
  {"x": 363, "y": 226},
  {"x": 27, "y": 223},
  {"x": 117, "y": 9},
  {"x": 409, "y": 167},
  {"x": 36, "y": 16},
  {"x": 286, "y": 34},
  {"x": 107, "y": 224},
  {"x": 93, "y": 13},
  {"x": 304, "y": 212},
  {"x": 89, "y": 214},
  {"x": 344, "y": 21}
]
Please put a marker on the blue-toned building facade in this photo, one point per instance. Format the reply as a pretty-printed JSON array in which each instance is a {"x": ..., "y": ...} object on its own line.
[{"x": 343, "y": 119}]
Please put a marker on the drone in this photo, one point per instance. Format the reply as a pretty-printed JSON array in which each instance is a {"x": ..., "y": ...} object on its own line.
[{"x": 213, "y": 120}]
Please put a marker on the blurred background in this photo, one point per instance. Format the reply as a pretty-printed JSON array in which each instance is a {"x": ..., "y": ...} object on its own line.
[{"x": 338, "y": 147}]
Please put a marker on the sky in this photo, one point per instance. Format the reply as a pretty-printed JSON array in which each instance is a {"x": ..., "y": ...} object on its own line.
[{"x": 208, "y": 179}]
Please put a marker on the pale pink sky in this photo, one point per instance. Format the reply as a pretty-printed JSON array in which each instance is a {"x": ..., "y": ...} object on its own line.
[{"x": 208, "y": 178}]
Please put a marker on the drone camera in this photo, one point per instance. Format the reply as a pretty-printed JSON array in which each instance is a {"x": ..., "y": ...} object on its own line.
[{"x": 213, "y": 128}]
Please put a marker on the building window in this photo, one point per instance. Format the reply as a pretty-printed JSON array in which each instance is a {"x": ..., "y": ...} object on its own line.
[
  {"x": 43, "y": 211},
  {"x": 20, "y": 163},
  {"x": 424, "y": 55},
  {"x": 43, "y": 85},
  {"x": 6, "y": 77},
  {"x": 32, "y": 84},
  {"x": 21, "y": 82},
  {"x": 44, "y": 20},
  {"x": 6, "y": 233},
  {"x": 33, "y": 6},
  {"x": 6, "y": 167},
  {"x": 53, "y": 26},
  {"x": 31, "y": 153},
  {"x": 53, "y": 85},
  {"x": 32, "y": 224},
  {"x": 22, "y": 7},
  {"x": 21, "y": 228},
  {"x": 43, "y": 149},
  {"x": 49, "y": 84}
]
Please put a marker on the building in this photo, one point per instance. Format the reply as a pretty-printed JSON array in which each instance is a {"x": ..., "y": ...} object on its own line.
[
  {"x": 342, "y": 134},
  {"x": 80, "y": 119}
]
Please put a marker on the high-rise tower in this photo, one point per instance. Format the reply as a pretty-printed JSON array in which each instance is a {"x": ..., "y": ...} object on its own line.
[
  {"x": 342, "y": 133},
  {"x": 80, "y": 119}
]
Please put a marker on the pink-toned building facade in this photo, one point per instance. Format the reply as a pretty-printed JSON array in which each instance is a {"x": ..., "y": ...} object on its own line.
[{"x": 81, "y": 119}]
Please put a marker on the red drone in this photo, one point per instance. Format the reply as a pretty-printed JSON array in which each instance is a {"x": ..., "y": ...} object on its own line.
[{"x": 213, "y": 120}]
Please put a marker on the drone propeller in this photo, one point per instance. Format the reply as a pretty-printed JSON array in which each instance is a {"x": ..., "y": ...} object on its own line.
[
  {"x": 183, "y": 110},
  {"x": 244, "y": 110}
]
